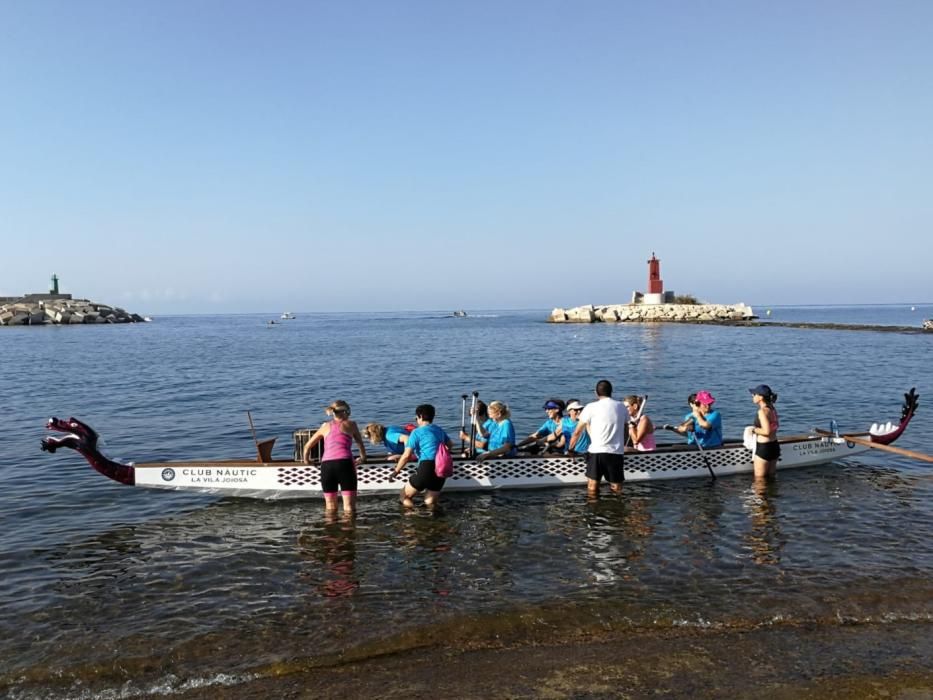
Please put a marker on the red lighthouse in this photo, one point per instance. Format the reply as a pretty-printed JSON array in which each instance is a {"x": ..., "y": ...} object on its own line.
[{"x": 655, "y": 283}]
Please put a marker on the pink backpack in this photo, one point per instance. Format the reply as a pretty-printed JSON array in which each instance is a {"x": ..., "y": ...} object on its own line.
[{"x": 443, "y": 462}]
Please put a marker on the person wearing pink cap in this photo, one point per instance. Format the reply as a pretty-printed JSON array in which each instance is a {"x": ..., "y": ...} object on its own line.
[{"x": 703, "y": 425}]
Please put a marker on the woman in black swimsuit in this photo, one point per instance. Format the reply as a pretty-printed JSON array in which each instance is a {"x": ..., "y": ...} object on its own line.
[{"x": 767, "y": 448}]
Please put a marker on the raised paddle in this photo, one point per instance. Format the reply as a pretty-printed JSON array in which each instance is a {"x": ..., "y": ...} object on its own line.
[
  {"x": 463, "y": 398},
  {"x": 634, "y": 421},
  {"x": 879, "y": 446},
  {"x": 472, "y": 450}
]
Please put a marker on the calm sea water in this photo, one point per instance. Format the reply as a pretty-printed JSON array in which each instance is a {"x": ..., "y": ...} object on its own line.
[{"x": 113, "y": 591}]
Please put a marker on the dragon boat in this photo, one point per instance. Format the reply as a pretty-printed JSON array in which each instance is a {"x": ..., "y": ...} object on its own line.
[{"x": 266, "y": 478}]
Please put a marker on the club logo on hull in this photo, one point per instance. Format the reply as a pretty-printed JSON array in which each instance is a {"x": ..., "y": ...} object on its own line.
[{"x": 168, "y": 474}]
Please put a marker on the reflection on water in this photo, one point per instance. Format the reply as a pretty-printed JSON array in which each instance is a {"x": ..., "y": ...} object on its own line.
[
  {"x": 763, "y": 539},
  {"x": 332, "y": 554}
]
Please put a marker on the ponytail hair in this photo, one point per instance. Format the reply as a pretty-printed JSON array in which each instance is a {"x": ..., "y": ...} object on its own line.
[
  {"x": 339, "y": 410},
  {"x": 376, "y": 432},
  {"x": 501, "y": 408}
]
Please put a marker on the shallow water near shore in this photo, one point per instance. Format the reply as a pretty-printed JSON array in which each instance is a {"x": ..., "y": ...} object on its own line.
[{"x": 120, "y": 592}]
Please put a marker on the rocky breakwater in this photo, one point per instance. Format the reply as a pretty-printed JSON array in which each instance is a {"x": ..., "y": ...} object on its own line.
[
  {"x": 62, "y": 312},
  {"x": 654, "y": 313}
]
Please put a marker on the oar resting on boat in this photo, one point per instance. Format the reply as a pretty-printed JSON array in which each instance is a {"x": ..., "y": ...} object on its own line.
[
  {"x": 261, "y": 477},
  {"x": 879, "y": 446}
]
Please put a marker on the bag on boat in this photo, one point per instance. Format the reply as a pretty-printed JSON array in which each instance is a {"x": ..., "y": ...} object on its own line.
[{"x": 443, "y": 462}]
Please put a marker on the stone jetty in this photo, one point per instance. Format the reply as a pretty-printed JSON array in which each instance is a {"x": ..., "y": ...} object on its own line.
[
  {"x": 37, "y": 310},
  {"x": 654, "y": 313}
]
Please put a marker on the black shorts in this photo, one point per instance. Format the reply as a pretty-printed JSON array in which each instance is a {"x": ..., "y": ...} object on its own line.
[
  {"x": 425, "y": 478},
  {"x": 605, "y": 465},
  {"x": 338, "y": 475},
  {"x": 768, "y": 451}
]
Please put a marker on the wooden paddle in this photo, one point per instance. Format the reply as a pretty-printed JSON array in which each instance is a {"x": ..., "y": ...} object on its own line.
[
  {"x": 463, "y": 398},
  {"x": 699, "y": 449},
  {"x": 472, "y": 451},
  {"x": 879, "y": 446},
  {"x": 633, "y": 422}
]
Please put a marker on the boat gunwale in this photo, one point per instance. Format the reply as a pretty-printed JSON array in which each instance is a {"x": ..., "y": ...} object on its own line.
[{"x": 381, "y": 459}]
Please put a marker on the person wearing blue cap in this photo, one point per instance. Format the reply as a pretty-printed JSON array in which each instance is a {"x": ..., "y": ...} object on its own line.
[
  {"x": 767, "y": 447},
  {"x": 550, "y": 430}
]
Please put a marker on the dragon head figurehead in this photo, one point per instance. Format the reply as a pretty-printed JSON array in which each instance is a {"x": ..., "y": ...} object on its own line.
[
  {"x": 887, "y": 434},
  {"x": 83, "y": 439},
  {"x": 77, "y": 435}
]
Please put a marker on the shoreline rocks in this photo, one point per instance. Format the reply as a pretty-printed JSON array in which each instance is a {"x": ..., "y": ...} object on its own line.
[
  {"x": 654, "y": 313},
  {"x": 52, "y": 311}
]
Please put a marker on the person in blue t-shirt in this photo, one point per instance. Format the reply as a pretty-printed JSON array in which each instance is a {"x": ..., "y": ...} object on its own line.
[
  {"x": 703, "y": 425},
  {"x": 423, "y": 444},
  {"x": 568, "y": 424},
  {"x": 502, "y": 437},
  {"x": 484, "y": 425},
  {"x": 392, "y": 437},
  {"x": 549, "y": 433}
]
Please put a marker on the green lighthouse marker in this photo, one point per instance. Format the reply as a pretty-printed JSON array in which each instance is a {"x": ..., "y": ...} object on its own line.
[{"x": 54, "y": 289}]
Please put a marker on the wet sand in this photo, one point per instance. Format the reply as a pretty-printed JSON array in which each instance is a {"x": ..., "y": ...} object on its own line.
[{"x": 846, "y": 661}]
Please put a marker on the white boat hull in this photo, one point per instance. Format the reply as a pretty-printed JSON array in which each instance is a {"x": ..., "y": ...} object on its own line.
[{"x": 288, "y": 480}]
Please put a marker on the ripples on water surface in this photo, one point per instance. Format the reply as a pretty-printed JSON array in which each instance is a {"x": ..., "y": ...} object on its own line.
[{"x": 104, "y": 584}]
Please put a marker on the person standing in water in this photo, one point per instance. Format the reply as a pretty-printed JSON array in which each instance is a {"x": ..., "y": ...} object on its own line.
[
  {"x": 423, "y": 443},
  {"x": 604, "y": 420},
  {"x": 767, "y": 447},
  {"x": 338, "y": 471}
]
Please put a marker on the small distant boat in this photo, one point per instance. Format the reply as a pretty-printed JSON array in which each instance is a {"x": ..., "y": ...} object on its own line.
[
  {"x": 288, "y": 314},
  {"x": 459, "y": 313}
]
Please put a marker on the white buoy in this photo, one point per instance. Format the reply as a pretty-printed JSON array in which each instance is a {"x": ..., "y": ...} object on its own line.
[{"x": 913, "y": 308}]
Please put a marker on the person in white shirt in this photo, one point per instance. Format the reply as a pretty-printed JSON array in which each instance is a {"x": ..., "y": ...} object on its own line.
[{"x": 604, "y": 420}]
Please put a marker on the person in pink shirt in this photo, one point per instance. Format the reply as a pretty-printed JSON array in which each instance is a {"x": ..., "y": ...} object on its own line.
[
  {"x": 338, "y": 469},
  {"x": 640, "y": 427}
]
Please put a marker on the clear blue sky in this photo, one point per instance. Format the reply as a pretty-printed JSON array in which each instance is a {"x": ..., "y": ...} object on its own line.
[{"x": 214, "y": 156}]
